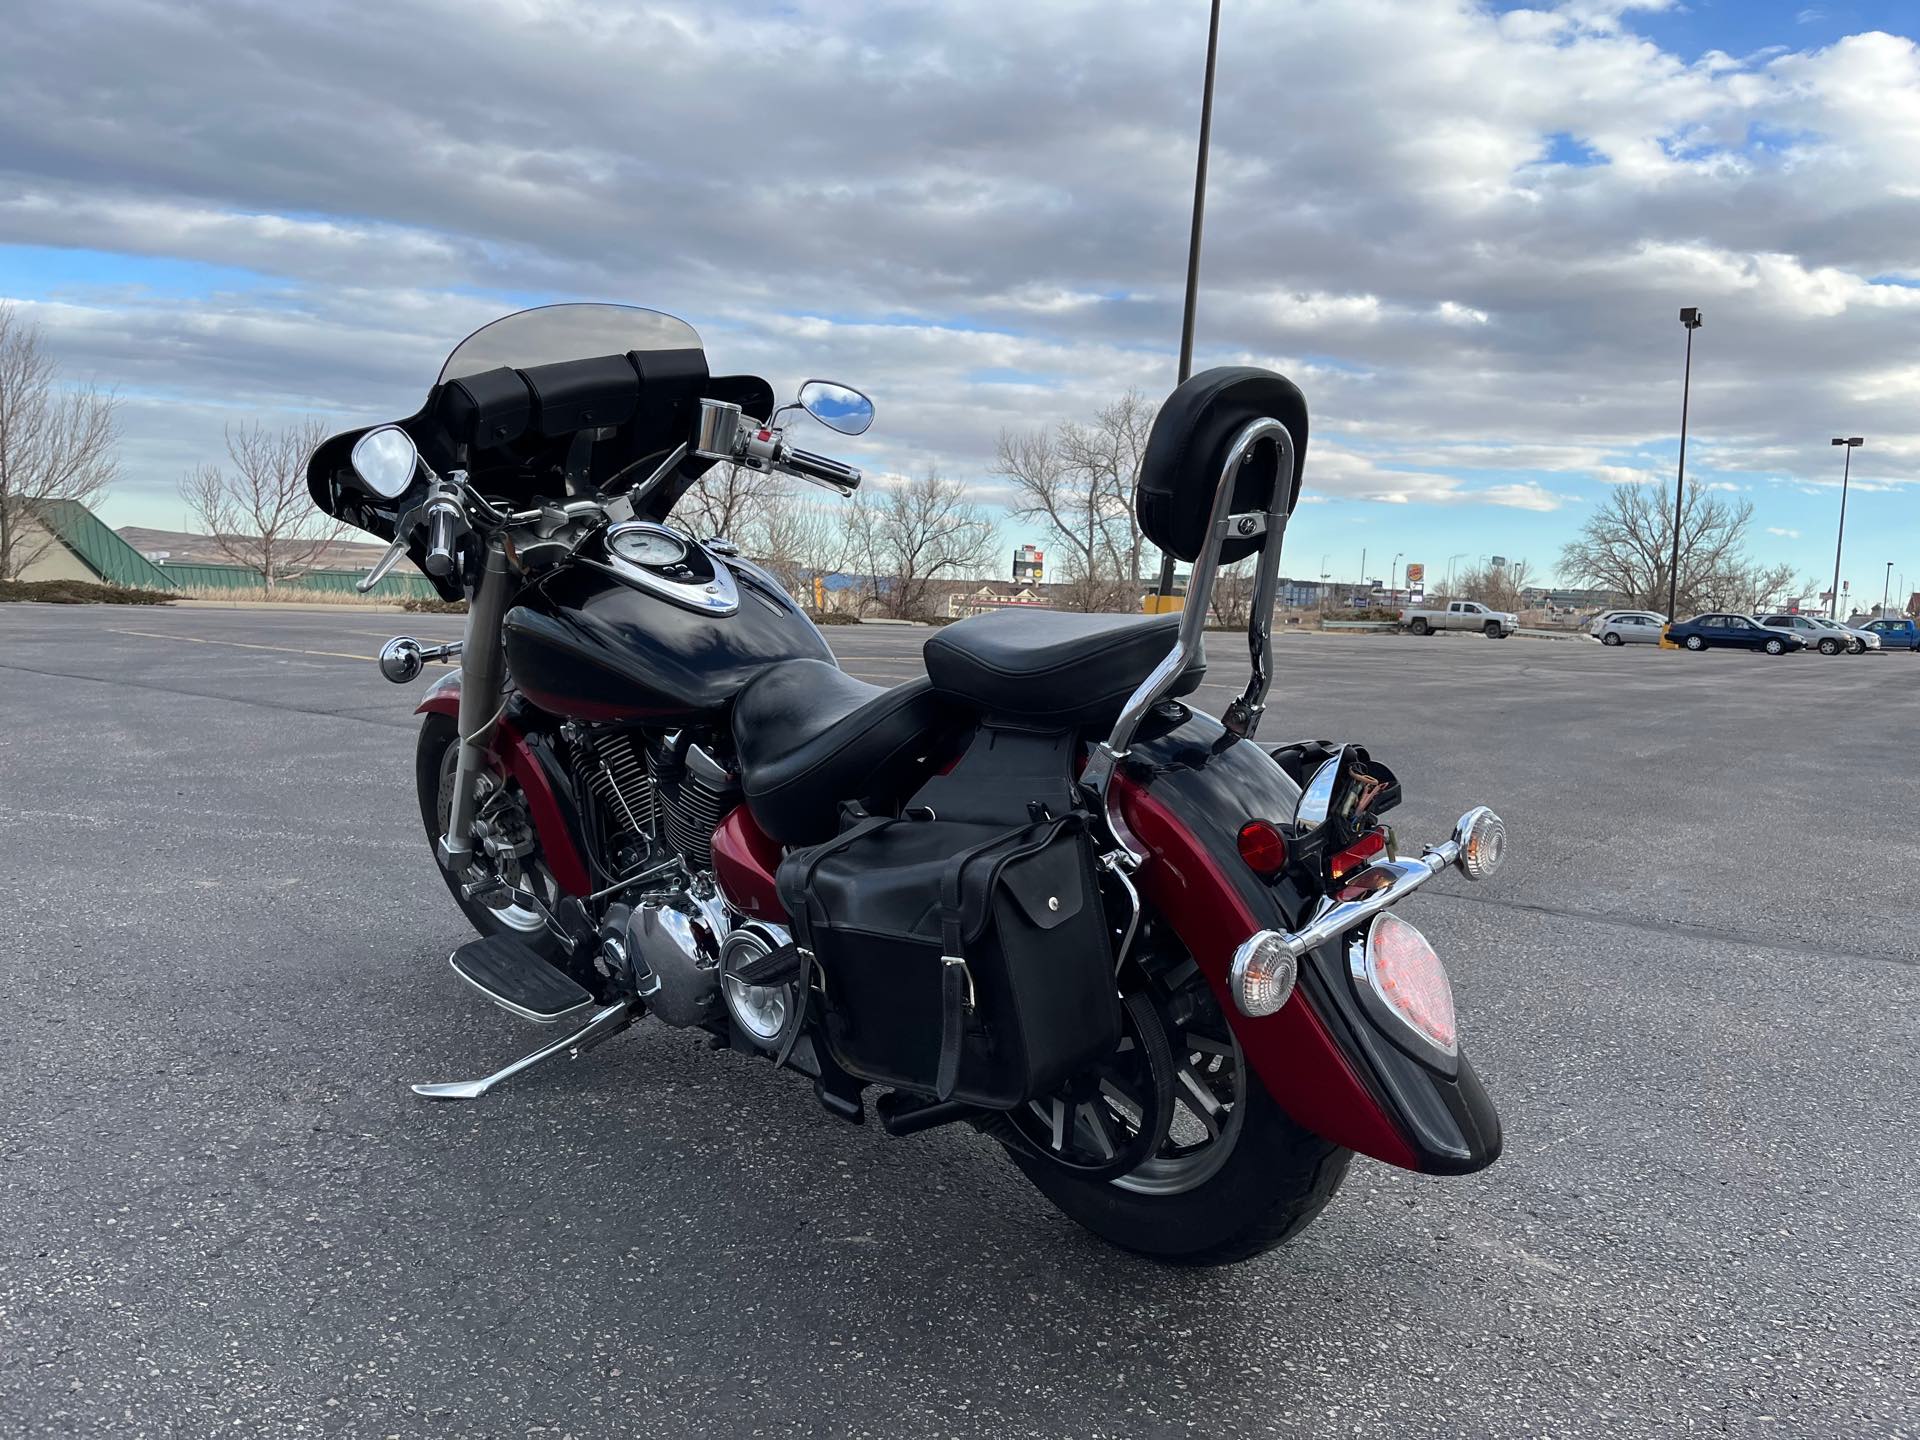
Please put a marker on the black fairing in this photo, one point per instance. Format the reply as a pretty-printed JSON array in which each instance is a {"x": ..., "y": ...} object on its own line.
[
  {"x": 583, "y": 644},
  {"x": 1214, "y": 787},
  {"x": 590, "y": 426}
]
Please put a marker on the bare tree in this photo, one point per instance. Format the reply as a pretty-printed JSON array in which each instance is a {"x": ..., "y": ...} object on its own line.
[
  {"x": 1496, "y": 585},
  {"x": 1079, "y": 479},
  {"x": 55, "y": 444},
  {"x": 1626, "y": 546},
  {"x": 724, "y": 502},
  {"x": 260, "y": 515},
  {"x": 795, "y": 540},
  {"x": 911, "y": 535}
]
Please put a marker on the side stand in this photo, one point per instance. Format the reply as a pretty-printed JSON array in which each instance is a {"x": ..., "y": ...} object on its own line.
[{"x": 604, "y": 1025}]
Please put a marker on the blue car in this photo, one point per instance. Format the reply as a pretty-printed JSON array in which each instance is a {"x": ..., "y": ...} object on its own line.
[
  {"x": 1732, "y": 632},
  {"x": 1896, "y": 634}
]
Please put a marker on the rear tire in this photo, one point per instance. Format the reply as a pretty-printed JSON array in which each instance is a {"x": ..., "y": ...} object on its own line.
[
  {"x": 1277, "y": 1179},
  {"x": 437, "y": 734},
  {"x": 1611, "y": 638},
  {"x": 1420, "y": 627},
  {"x": 1694, "y": 642}
]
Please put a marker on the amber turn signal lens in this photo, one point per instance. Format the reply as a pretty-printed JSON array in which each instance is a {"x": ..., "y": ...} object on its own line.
[{"x": 1263, "y": 847}]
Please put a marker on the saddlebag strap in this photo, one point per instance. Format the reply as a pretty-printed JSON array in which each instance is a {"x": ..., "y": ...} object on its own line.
[{"x": 956, "y": 981}]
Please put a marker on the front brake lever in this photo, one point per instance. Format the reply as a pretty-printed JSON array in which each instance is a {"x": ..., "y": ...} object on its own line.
[{"x": 402, "y": 535}]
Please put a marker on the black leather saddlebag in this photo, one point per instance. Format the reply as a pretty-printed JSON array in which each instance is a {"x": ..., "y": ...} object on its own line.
[{"x": 964, "y": 962}]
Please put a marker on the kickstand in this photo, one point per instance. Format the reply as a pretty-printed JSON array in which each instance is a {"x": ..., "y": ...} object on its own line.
[{"x": 604, "y": 1025}]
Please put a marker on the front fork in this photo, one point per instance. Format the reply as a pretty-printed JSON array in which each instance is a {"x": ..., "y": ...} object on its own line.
[{"x": 483, "y": 665}]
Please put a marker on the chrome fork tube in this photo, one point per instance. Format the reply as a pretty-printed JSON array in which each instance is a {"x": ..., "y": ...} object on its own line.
[{"x": 482, "y": 674}]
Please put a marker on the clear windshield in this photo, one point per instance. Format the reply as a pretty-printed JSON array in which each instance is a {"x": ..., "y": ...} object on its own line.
[{"x": 554, "y": 333}]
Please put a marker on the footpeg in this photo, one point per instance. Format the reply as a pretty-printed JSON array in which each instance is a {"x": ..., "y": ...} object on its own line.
[
  {"x": 603, "y": 1026},
  {"x": 781, "y": 966},
  {"x": 516, "y": 979}
]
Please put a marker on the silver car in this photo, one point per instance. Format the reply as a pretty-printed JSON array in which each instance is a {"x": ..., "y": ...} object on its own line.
[
  {"x": 1827, "y": 636},
  {"x": 1629, "y": 627}
]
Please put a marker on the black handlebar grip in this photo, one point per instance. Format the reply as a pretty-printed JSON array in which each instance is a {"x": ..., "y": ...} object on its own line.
[
  {"x": 440, "y": 543},
  {"x": 821, "y": 467}
]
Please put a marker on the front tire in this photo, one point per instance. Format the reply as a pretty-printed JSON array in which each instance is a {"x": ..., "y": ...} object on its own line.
[
  {"x": 1776, "y": 647},
  {"x": 1491, "y": 630},
  {"x": 1856, "y": 647},
  {"x": 1829, "y": 647},
  {"x": 433, "y": 769}
]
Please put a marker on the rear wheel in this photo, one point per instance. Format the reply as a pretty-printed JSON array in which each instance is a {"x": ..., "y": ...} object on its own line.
[
  {"x": 503, "y": 809},
  {"x": 1229, "y": 1176},
  {"x": 1611, "y": 638},
  {"x": 1419, "y": 627}
]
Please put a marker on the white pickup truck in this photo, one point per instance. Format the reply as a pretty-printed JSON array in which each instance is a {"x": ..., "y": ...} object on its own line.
[{"x": 1462, "y": 615}]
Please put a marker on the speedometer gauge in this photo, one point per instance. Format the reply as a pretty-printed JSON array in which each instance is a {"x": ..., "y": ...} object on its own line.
[{"x": 646, "y": 545}]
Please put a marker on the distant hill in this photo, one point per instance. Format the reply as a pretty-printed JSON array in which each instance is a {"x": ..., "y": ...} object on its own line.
[{"x": 184, "y": 548}]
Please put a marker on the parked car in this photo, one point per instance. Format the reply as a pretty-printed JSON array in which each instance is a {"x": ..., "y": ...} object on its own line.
[
  {"x": 1462, "y": 615},
  {"x": 1732, "y": 632},
  {"x": 1829, "y": 637},
  {"x": 1900, "y": 634},
  {"x": 1629, "y": 627}
]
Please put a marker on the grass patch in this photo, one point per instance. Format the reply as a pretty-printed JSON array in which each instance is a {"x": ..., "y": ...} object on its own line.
[
  {"x": 832, "y": 617},
  {"x": 79, "y": 592},
  {"x": 434, "y": 606}
]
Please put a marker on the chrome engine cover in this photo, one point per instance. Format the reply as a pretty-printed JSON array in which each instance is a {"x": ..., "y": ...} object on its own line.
[
  {"x": 760, "y": 1013},
  {"x": 673, "y": 943}
]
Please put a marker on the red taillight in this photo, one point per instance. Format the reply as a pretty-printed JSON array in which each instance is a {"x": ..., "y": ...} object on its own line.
[
  {"x": 1263, "y": 847},
  {"x": 1404, "y": 980},
  {"x": 1356, "y": 855}
]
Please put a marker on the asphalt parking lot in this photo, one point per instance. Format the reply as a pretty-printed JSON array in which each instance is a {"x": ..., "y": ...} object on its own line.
[{"x": 1693, "y": 993}]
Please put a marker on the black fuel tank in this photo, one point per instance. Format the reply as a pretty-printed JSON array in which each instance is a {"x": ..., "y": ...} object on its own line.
[{"x": 584, "y": 644}]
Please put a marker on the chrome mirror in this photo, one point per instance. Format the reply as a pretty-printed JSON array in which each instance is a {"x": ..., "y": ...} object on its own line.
[
  {"x": 385, "y": 460},
  {"x": 1316, "y": 801},
  {"x": 838, "y": 407}
]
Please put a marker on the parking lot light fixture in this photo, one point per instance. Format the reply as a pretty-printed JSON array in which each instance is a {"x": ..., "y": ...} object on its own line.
[
  {"x": 1850, "y": 443},
  {"x": 1689, "y": 317}
]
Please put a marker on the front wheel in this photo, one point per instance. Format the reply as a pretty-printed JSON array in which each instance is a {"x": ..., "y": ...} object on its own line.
[
  {"x": 1856, "y": 647},
  {"x": 1829, "y": 647},
  {"x": 1491, "y": 630},
  {"x": 1776, "y": 647},
  {"x": 1233, "y": 1177},
  {"x": 501, "y": 805}
]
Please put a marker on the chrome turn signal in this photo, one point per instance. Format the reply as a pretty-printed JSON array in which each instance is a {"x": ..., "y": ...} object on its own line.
[
  {"x": 1263, "y": 974},
  {"x": 1482, "y": 838}
]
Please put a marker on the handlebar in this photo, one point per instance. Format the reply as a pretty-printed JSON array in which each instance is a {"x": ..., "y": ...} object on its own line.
[
  {"x": 826, "y": 470},
  {"x": 440, "y": 518}
]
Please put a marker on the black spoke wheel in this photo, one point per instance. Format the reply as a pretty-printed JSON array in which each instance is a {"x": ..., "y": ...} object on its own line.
[{"x": 1114, "y": 1116}]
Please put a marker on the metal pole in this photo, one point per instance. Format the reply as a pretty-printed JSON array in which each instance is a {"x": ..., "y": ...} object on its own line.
[
  {"x": 1365, "y": 590},
  {"x": 1680, "y": 485},
  {"x": 1193, "y": 240},
  {"x": 1846, "y": 472}
]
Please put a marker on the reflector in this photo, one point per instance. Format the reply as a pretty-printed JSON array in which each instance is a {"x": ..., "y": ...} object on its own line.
[{"x": 1263, "y": 848}]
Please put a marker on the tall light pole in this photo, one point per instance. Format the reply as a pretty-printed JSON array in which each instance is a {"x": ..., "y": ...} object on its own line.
[
  {"x": 1689, "y": 317},
  {"x": 1450, "y": 559},
  {"x": 1193, "y": 240},
  {"x": 1394, "y": 589},
  {"x": 1851, "y": 443},
  {"x": 1886, "y": 587}
]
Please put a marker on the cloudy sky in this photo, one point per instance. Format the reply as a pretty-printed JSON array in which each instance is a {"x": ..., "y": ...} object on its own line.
[{"x": 1465, "y": 229}]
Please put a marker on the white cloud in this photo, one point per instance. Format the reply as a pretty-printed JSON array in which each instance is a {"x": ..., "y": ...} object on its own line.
[{"x": 1783, "y": 533}]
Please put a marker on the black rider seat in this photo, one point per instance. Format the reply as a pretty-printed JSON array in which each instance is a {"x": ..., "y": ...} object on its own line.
[
  {"x": 809, "y": 736},
  {"x": 1054, "y": 668}
]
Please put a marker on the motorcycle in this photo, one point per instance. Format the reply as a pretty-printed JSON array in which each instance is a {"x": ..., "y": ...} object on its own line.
[{"x": 1035, "y": 891}]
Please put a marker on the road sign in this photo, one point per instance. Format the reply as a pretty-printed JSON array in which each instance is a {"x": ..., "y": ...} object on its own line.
[{"x": 1416, "y": 575}]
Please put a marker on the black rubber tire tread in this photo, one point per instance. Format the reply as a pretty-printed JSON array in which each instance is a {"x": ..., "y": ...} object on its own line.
[
  {"x": 436, "y": 733},
  {"x": 1277, "y": 1181},
  {"x": 1420, "y": 627}
]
